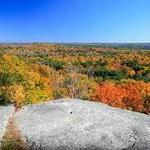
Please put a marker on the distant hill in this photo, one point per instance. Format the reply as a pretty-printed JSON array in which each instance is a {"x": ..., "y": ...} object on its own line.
[{"x": 145, "y": 46}]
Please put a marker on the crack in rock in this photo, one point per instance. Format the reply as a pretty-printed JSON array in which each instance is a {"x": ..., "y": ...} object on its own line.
[
  {"x": 13, "y": 138},
  {"x": 5, "y": 113}
]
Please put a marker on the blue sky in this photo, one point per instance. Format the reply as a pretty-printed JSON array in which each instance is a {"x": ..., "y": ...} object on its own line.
[{"x": 74, "y": 20}]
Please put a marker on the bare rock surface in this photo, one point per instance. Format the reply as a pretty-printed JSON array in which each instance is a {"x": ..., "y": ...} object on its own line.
[
  {"x": 76, "y": 124},
  {"x": 5, "y": 113}
]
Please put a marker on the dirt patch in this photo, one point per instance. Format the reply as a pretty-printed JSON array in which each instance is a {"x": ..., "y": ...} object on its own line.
[{"x": 13, "y": 140}]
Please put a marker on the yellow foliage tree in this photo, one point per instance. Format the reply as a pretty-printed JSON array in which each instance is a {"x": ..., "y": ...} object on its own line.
[{"x": 15, "y": 94}]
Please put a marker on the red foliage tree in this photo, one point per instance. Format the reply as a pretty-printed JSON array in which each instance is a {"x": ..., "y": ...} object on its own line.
[{"x": 130, "y": 95}]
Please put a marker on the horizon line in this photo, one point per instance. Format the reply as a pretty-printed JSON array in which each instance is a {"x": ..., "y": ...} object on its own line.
[{"x": 38, "y": 42}]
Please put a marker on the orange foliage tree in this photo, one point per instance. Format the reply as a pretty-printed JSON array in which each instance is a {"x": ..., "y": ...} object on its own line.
[{"x": 133, "y": 95}]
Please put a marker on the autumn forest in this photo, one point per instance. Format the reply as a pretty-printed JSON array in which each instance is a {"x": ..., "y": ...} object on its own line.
[{"x": 33, "y": 73}]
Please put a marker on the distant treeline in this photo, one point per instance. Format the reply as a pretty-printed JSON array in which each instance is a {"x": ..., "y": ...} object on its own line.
[{"x": 139, "y": 46}]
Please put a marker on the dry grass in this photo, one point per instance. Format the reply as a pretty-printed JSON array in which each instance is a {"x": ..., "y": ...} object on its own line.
[{"x": 13, "y": 140}]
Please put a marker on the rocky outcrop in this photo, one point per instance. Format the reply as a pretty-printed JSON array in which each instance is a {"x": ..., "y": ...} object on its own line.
[
  {"x": 5, "y": 113},
  {"x": 77, "y": 124}
]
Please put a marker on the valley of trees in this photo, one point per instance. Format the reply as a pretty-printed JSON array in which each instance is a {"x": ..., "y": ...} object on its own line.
[{"x": 34, "y": 73}]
